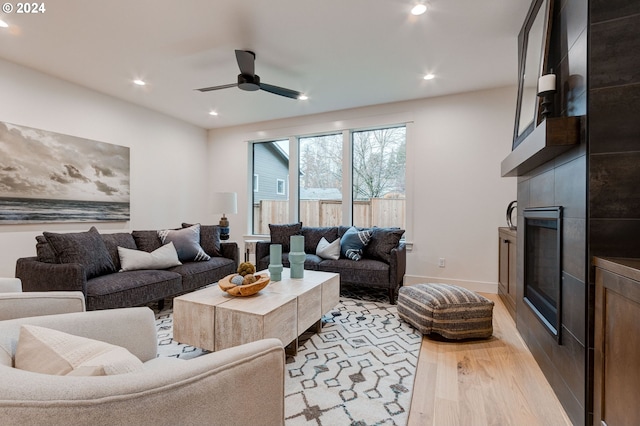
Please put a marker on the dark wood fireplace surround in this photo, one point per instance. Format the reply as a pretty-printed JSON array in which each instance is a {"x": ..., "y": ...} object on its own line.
[{"x": 594, "y": 178}]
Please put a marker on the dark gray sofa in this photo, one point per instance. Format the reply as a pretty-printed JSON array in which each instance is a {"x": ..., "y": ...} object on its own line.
[
  {"x": 91, "y": 263},
  {"x": 382, "y": 266}
]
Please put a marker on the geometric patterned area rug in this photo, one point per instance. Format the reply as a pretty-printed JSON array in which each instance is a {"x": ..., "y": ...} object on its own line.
[{"x": 358, "y": 370}]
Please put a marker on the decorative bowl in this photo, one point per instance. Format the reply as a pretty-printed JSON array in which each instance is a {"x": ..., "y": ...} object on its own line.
[{"x": 225, "y": 284}]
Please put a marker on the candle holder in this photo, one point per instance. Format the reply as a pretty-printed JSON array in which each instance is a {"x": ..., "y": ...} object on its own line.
[
  {"x": 546, "y": 91},
  {"x": 275, "y": 262},
  {"x": 297, "y": 256}
]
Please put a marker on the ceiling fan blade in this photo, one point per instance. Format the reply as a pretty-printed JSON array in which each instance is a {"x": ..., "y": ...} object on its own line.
[
  {"x": 276, "y": 90},
  {"x": 246, "y": 61},
  {"x": 224, "y": 86}
]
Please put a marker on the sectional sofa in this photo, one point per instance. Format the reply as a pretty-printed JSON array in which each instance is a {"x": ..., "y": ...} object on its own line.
[{"x": 91, "y": 262}]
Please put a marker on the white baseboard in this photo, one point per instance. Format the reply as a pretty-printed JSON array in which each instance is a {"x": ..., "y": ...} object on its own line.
[{"x": 479, "y": 286}]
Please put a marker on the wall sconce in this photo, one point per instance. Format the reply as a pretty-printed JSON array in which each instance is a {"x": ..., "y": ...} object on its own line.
[
  {"x": 225, "y": 202},
  {"x": 546, "y": 90}
]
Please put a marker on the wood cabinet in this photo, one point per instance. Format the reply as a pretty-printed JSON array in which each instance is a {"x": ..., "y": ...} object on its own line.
[
  {"x": 507, "y": 268},
  {"x": 617, "y": 342}
]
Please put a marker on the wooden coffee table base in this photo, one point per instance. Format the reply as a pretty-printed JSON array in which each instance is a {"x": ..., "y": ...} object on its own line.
[{"x": 213, "y": 320}]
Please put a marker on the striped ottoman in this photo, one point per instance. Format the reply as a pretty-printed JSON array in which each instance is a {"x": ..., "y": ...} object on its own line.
[{"x": 452, "y": 312}]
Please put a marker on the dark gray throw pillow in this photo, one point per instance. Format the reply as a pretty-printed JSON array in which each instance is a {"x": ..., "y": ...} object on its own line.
[
  {"x": 115, "y": 240},
  {"x": 383, "y": 240},
  {"x": 85, "y": 248},
  {"x": 186, "y": 242},
  {"x": 44, "y": 251},
  {"x": 209, "y": 239},
  {"x": 147, "y": 240},
  {"x": 281, "y": 234}
]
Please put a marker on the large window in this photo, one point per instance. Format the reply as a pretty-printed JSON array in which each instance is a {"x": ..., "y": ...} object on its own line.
[
  {"x": 320, "y": 180},
  {"x": 364, "y": 187},
  {"x": 378, "y": 177},
  {"x": 270, "y": 198}
]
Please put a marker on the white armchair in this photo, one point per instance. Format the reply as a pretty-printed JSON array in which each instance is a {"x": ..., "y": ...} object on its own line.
[
  {"x": 10, "y": 285},
  {"x": 237, "y": 386},
  {"x": 16, "y": 304}
]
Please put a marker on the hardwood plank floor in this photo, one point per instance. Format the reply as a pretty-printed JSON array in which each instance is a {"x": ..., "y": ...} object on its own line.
[{"x": 483, "y": 382}]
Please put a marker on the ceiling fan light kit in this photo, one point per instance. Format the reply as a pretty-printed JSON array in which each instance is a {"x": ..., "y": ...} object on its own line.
[{"x": 249, "y": 81}]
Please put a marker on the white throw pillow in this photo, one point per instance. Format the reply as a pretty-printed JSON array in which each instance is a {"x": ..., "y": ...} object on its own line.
[
  {"x": 46, "y": 351},
  {"x": 327, "y": 250},
  {"x": 161, "y": 258}
]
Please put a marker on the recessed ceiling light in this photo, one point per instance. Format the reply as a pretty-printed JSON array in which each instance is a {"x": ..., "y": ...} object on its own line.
[
  {"x": 303, "y": 97},
  {"x": 419, "y": 9},
  {"x": 3, "y": 24},
  {"x": 429, "y": 76},
  {"x": 213, "y": 113},
  {"x": 139, "y": 82}
]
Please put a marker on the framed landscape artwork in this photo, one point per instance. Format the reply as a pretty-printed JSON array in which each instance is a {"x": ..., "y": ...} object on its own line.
[{"x": 51, "y": 177}]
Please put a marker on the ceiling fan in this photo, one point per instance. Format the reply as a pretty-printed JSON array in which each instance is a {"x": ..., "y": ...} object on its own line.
[{"x": 248, "y": 80}]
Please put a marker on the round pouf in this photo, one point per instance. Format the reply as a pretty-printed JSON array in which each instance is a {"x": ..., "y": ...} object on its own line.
[{"x": 448, "y": 310}]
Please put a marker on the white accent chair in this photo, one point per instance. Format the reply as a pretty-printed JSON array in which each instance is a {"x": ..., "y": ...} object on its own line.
[
  {"x": 16, "y": 304},
  {"x": 237, "y": 386}
]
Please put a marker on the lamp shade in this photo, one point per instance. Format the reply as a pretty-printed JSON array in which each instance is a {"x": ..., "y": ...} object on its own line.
[{"x": 225, "y": 202}]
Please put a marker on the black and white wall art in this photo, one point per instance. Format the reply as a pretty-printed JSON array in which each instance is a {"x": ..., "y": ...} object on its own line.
[{"x": 51, "y": 177}]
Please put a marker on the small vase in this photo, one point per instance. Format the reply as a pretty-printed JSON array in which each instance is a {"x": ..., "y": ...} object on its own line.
[
  {"x": 275, "y": 262},
  {"x": 297, "y": 256}
]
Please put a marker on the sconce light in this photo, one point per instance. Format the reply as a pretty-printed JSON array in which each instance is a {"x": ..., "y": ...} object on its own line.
[
  {"x": 225, "y": 202},
  {"x": 546, "y": 90}
]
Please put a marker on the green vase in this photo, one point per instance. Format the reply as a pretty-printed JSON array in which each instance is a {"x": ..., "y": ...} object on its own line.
[
  {"x": 275, "y": 262},
  {"x": 297, "y": 256}
]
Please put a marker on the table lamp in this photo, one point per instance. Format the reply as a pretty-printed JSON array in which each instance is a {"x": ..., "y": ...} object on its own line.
[{"x": 225, "y": 202}]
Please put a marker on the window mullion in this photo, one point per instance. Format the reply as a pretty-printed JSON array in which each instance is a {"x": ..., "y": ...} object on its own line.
[
  {"x": 347, "y": 180},
  {"x": 294, "y": 174}
]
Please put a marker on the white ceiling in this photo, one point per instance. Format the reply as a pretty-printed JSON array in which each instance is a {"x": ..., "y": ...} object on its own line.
[{"x": 341, "y": 53}]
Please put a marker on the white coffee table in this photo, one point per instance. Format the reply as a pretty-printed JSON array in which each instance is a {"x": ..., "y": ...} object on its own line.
[{"x": 213, "y": 320}]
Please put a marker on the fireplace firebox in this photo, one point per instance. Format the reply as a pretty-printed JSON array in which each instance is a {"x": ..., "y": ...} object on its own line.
[{"x": 543, "y": 265}]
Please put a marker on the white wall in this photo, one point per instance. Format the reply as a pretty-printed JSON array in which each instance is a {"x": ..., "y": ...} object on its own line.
[
  {"x": 168, "y": 156},
  {"x": 456, "y": 198}
]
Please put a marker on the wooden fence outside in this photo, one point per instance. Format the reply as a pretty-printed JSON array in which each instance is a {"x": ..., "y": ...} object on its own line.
[{"x": 381, "y": 212}]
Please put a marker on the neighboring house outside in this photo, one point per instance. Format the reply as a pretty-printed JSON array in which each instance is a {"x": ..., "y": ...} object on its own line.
[{"x": 270, "y": 173}]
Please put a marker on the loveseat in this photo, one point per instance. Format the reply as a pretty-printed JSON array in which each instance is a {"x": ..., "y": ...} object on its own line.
[
  {"x": 382, "y": 263},
  {"x": 91, "y": 262},
  {"x": 243, "y": 385}
]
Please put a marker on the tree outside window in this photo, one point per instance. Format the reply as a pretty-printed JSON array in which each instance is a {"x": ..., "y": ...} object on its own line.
[
  {"x": 377, "y": 180},
  {"x": 379, "y": 170}
]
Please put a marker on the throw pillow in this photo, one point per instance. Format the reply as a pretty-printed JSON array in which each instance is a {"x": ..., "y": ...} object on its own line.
[
  {"x": 162, "y": 258},
  {"x": 44, "y": 251},
  {"x": 281, "y": 234},
  {"x": 85, "y": 248},
  {"x": 327, "y": 250},
  {"x": 383, "y": 240},
  {"x": 313, "y": 235},
  {"x": 147, "y": 240},
  {"x": 186, "y": 242},
  {"x": 209, "y": 239},
  {"x": 115, "y": 240},
  {"x": 42, "y": 350},
  {"x": 353, "y": 242}
]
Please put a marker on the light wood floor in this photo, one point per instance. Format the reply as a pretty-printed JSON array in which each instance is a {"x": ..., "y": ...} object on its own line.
[{"x": 483, "y": 382}]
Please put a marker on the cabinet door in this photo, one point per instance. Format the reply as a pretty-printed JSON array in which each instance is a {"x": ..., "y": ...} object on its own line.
[
  {"x": 617, "y": 350},
  {"x": 512, "y": 268},
  {"x": 507, "y": 268},
  {"x": 503, "y": 274}
]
